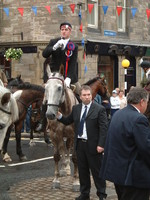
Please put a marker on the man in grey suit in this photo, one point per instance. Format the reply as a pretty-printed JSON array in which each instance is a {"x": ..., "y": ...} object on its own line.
[
  {"x": 88, "y": 142},
  {"x": 127, "y": 150}
]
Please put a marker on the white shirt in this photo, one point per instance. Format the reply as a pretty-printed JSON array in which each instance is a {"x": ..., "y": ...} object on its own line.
[
  {"x": 84, "y": 136},
  {"x": 115, "y": 102}
]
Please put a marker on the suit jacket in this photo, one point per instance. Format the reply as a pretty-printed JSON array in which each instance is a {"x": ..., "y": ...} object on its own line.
[
  {"x": 127, "y": 150},
  {"x": 96, "y": 125},
  {"x": 59, "y": 57}
]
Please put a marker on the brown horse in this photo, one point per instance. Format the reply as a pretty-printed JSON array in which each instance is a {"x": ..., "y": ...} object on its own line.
[
  {"x": 147, "y": 112},
  {"x": 59, "y": 97},
  {"x": 25, "y": 96}
]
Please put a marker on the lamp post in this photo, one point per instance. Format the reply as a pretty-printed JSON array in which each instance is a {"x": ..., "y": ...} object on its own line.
[{"x": 125, "y": 65}]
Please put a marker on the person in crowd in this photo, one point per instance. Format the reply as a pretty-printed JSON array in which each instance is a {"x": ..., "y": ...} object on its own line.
[
  {"x": 122, "y": 98},
  {"x": 115, "y": 103},
  {"x": 127, "y": 150},
  {"x": 3, "y": 78},
  {"x": 90, "y": 123},
  {"x": 61, "y": 50},
  {"x": 98, "y": 99},
  {"x": 117, "y": 90},
  {"x": 26, "y": 123}
]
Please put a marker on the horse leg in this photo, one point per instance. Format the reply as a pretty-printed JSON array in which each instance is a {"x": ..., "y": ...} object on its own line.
[
  {"x": 68, "y": 147},
  {"x": 18, "y": 127},
  {"x": 56, "y": 182},
  {"x": 76, "y": 184},
  {"x": 5, "y": 155},
  {"x": 46, "y": 137},
  {"x": 31, "y": 143}
]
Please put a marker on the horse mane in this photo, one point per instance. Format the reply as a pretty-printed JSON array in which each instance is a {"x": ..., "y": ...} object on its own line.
[
  {"x": 28, "y": 86},
  {"x": 91, "y": 81}
]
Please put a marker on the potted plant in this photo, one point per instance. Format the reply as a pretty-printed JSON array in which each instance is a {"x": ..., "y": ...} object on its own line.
[{"x": 13, "y": 53}]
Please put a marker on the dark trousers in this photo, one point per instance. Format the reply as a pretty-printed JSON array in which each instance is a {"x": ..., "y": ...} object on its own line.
[
  {"x": 131, "y": 193},
  {"x": 89, "y": 162}
]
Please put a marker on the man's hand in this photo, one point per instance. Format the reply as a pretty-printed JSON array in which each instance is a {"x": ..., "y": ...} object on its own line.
[
  {"x": 100, "y": 149},
  {"x": 59, "y": 115},
  {"x": 59, "y": 44}
]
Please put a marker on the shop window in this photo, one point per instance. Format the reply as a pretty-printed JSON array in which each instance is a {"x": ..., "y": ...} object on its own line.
[
  {"x": 121, "y": 20},
  {"x": 93, "y": 17}
]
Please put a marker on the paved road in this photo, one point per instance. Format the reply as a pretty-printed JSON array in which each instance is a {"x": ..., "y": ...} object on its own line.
[{"x": 33, "y": 179}]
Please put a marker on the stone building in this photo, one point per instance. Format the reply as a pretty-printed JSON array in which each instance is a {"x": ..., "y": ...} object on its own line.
[{"x": 112, "y": 31}]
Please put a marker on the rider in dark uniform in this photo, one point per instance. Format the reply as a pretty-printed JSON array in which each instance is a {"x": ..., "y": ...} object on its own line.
[{"x": 62, "y": 51}]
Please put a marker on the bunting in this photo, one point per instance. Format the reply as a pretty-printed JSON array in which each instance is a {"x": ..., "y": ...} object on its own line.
[
  {"x": 60, "y": 7},
  {"x": 21, "y": 10},
  {"x": 90, "y": 7},
  {"x": 119, "y": 10},
  {"x": 6, "y": 10},
  {"x": 34, "y": 8},
  {"x": 148, "y": 13},
  {"x": 105, "y": 8},
  {"x": 133, "y": 11},
  {"x": 72, "y": 6},
  {"x": 48, "y": 8}
]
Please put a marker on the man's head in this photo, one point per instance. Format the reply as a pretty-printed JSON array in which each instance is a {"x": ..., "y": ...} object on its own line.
[
  {"x": 86, "y": 94},
  {"x": 139, "y": 98},
  {"x": 65, "y": 30}
]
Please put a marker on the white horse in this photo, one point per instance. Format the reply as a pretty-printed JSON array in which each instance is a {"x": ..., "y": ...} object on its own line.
[
  {"x": 59, "y": 97},
  {"x": 8, "y": 112}
]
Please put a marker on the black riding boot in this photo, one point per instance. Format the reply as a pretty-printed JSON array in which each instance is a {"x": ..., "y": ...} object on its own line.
[{"x": 43, "y": 121}]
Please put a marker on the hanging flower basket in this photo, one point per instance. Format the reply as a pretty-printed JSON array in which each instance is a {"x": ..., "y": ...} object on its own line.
[{"x": 14, "y": 54}]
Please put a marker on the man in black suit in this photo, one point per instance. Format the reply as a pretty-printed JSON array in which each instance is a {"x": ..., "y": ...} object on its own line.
[
  {"x": 61, "y": 51},
  {"x": 89, "y": 144},
  {"x": 127, "y": 149}
]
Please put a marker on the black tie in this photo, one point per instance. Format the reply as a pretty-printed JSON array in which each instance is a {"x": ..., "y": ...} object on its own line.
[{"x": 82, "y": 122}]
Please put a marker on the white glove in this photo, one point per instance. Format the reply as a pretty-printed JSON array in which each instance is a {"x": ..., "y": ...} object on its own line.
[
  {"x": 67, "y": 82},
  {"x": 59, "y": 44}
]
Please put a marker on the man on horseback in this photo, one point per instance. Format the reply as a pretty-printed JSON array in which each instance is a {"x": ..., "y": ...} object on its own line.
[{"x": 62, "y": 51}]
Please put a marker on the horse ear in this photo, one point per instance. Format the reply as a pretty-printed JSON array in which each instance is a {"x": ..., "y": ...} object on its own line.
[
  {"x": 5, "y": 98},
  {"x": 61, "y": 69},
  {"x": 19, "y": 76},
  {"x": 48, "y": 70}
]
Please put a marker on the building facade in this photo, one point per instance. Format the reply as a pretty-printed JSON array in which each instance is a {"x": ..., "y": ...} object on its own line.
[{"x": 106, "y": 32}]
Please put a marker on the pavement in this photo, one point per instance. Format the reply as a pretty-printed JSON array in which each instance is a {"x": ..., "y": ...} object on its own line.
[{"x": 42, "y": 189}]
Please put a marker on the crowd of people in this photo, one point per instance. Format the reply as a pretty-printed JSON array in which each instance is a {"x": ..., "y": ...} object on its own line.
[{"x": 112, "y": 135}]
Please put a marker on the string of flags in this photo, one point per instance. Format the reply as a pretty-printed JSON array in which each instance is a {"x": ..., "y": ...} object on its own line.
[{"x": 72, "y": 7}]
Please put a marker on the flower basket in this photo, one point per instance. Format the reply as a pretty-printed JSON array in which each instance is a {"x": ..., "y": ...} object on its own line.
[{"x": 14, "y": 54}]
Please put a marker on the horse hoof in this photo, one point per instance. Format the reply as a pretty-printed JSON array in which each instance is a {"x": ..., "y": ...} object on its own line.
[
  {"x": 56, "y": 185},
  {"x": 63, "y": 172},
  {"x": 31, "y": 144},
  {"x": 7, "y": 158},
  {"x": 47, "y": 141},
  {"x": 23, "y": 158},
  {"x": 76, "y": 186}
]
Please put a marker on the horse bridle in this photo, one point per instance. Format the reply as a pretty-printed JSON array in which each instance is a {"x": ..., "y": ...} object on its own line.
[
  {"x": 5, "y": 111},
  {"x": 57, "y": 105}
]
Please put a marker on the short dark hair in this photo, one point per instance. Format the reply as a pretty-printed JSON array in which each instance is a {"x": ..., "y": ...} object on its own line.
[
  {"x": 136, "y": 94},
  {"x": 64, "y": 24},
  {"x": 85, "y": 87}
]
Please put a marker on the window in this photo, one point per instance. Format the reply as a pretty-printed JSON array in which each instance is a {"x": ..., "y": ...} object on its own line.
[
  {"x": 93, "y": 17},
  {"x": 122, "y": 18}
]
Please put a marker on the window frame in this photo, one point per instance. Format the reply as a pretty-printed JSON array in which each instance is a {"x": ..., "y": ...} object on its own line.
[
  {"x": 95, "y": 10},
  {"x": 122, "y": 16}
]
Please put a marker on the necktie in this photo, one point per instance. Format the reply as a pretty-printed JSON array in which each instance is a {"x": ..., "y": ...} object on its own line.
[{"x": 82, "y": 122}]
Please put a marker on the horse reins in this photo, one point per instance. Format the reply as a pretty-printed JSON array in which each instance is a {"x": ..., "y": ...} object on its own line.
[
  {"x": 5, "y": 111},
  {"x": 57, "y": 105}
]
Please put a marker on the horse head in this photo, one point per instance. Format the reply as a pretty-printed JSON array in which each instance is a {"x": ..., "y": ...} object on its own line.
[
  {"x": 14, "y": 82},
  {"x": 8, "y": 112},
  {"x": 54, "y": 92}
]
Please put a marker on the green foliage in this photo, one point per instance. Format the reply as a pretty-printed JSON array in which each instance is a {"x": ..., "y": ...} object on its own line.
[{"x": 12, "y": 53}]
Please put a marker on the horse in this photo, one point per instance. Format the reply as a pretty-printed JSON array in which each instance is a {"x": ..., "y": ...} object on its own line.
[
  {"x": 14, "y": 82},
  {"x": 25, "y": 95},
  {"x": 59, "y": 97},
  {"x": 8, "y": 112},
  {"x": 147, "y": 112}
]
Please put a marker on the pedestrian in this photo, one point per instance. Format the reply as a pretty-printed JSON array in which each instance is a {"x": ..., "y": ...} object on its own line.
[
  {"x": 122, "y": 99},
  {"x": 115, "y": 103},
  {"x": 127, "y": 150},
  {"x": 61, "y": 50},
  {"x": 90, "y": 123},
  {"x": 26, "y": 123},
  {"x": 3, "y": 78}
]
